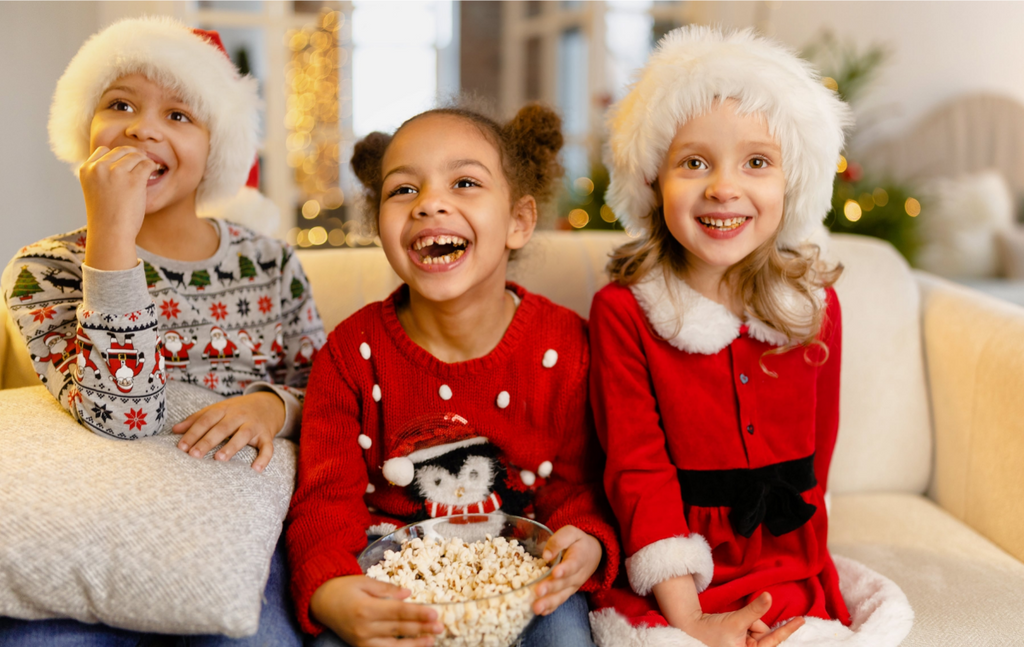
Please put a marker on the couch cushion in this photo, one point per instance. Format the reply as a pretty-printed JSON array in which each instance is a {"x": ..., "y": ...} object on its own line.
[
  {"x": 133, "y": 534},
  {"x": 885, "y": 433},
  {"x": 965, "y": 591}
]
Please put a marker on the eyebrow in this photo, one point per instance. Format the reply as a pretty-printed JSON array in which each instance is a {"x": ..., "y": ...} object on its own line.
[
  {"x": 124, "y": 88},
  {"x": 451, "y": 166}
]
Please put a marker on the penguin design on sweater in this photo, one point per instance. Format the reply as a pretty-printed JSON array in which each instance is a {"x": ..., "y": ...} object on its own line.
[{"x": 452, "y": 470}]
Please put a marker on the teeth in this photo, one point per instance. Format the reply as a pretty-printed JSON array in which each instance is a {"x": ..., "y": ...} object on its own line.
[
  {"x": 427, "y": 241},
  {"x": 443, "y": 260},
  {"x": 728, "y": 223}
]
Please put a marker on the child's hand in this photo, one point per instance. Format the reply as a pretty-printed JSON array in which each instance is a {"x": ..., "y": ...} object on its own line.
[
  {"x": 114, "y": 183},
  {"x": 367, "y": 613},
  {"x": 742, "y": 628},
  {"x": 581, "y": 559},
  {"x": 252, "y": 419}
]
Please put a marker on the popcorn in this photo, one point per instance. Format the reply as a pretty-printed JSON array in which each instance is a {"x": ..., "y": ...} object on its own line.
[{"x": 471, "y": 575}]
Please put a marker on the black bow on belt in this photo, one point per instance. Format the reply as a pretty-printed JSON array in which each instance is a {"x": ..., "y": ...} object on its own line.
[{"x": 769, "y": 495}]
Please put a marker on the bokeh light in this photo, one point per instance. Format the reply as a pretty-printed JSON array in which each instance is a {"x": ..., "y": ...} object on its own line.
[
  {"x": 852, "y": 210},
  {"x": 913, "y": 207},
  {"x": 578, "y": 218}
]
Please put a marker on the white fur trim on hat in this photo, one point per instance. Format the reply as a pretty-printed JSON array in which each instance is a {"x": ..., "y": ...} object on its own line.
[
  {"x": 692, "y": 68},
  {"x": 169, "y": 53},
  {"x": 611, "y": 629},
  {"x": 668, "y": 558}
]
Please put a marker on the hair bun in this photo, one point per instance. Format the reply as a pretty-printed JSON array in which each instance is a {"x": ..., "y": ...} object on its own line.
[
  {"x": 534, "y": 138},
  {"x": 367, "y": 157}
]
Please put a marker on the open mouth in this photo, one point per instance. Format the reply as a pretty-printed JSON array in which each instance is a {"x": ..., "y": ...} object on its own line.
[
  {"x": 158, "y": 172},
  {"x": 440, "y": 250},
  {"x": 722, "y": 224}
]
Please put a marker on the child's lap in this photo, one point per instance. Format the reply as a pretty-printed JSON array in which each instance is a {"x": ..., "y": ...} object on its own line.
[{"x": 568, "y": 626}]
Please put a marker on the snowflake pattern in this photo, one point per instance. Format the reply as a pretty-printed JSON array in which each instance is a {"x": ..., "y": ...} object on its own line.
[
  {"x": 102, "y": 413},
  {"x": 42, "y": 314},
  {"x": 169, "y": 309},
  {"x": 218, "y": 311},
  {"x": 266, "y": 304},
  {"x": 160, "y": 412},
  {"x": 243, "y": 307},
  {"x": 81, "y": 241},
  {"x": 135, "y": 419},
  {"x": 211, "y": 381},
  {"x": 133, "y": 316}
]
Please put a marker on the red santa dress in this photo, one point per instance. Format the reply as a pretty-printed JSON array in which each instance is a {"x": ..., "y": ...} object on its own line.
[
  {"x": 527, "y": 397},
  {"x": 718, "y": 451}
]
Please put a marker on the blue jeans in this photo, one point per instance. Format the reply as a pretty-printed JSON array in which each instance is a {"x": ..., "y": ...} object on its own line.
[
  {"x": 568, "y": 626},
  {"x": 278, "y": 627}
]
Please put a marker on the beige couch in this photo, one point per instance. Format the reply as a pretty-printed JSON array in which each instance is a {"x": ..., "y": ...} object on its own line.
[{"x": 926, "y": 485}]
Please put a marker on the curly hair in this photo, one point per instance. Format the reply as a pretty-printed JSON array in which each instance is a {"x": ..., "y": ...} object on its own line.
[{"x": 527, "y": 145}]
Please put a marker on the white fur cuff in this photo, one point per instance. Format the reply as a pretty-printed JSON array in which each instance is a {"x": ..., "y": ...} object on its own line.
[{"x": 668, "y": 558}]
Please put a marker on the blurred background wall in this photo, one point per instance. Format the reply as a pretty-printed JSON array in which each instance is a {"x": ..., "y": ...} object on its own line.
[{"x": 332, "y": 71}]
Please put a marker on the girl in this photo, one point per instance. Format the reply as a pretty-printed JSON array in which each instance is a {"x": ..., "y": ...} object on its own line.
[
  {"x": 459, "y": 392},
  {"x": 717, "y": 347},
  {"x": 151, "y": 312}
]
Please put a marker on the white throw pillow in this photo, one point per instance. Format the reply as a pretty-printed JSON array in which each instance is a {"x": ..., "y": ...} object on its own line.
[
  {"x": 136, "y": 535},
  {"x": 959, "y": 224}
]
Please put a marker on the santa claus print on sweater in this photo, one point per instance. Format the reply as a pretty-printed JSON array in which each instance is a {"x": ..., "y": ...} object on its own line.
[{"x": 221, "y": 350}]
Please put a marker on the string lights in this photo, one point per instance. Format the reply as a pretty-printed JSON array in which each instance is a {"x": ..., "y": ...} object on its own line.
[{"x": 316, "y": 104}]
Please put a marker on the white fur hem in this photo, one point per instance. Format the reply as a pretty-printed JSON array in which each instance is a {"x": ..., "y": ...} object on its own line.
[
  {"x": 668, "y": 558},
  {"x": 612, "y": 630},
  {"x": 881, "y": 617}
]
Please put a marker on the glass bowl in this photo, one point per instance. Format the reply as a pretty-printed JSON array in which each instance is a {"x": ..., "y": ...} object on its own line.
[{"x": 495, "y": 621}]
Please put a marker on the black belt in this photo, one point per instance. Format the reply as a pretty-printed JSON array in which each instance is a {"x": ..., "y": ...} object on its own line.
[{"x": 769, "y": 495}]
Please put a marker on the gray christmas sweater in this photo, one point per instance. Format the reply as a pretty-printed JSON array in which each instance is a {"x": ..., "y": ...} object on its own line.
[{"x": 106, "y": 343}]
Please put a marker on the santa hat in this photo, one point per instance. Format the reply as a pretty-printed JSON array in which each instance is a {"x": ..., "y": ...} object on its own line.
[
  {"x": 692, "y": 68},
  {"x": 192, "y": 63},
  {"x": 424, "y": 439},
  {"x": 51, "y": 338}
]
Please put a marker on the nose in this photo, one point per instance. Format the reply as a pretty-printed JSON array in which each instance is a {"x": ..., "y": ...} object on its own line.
[
  {"x": 460, "y": 492},
  {"x": 722, "y": 186},
  {"x": 144, "y": 127},
  {"x": 431, "y": 203}
]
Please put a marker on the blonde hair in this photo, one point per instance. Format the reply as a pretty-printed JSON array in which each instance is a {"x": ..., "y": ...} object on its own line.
[{"x": 761, "y": 279}]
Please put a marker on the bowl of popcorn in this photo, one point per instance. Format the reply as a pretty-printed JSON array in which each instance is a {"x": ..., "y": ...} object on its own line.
[{"x": 478, "y": 571}]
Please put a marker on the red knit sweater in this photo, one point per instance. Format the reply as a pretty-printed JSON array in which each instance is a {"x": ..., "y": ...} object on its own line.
[{"x": 545, "y": 419}]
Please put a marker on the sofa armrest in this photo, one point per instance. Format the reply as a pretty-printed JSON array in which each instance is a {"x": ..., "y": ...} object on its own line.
[
  {"x": 974, "y": 346},
  {"x": 16, "y": 368}
]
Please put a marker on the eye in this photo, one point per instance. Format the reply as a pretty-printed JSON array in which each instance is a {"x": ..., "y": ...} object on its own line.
[
  {"x": 402, "y": 190},
  {"x": 466, "y": 183},
  {"x": 120, "y": 106},
  {"x": 179, "y": 116},
  {"x": 694, "y": 164},
  {"x": 437, "y": 481},
  {"x": 474, "y": 475},
  {"x": 758, "y": 163}
]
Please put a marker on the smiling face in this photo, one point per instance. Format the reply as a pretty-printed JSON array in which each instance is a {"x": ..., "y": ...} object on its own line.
[
  {"x": 722, "y": 188},
  {"x": 135, "y": 111},
  {"x": 447, "y": 224}
]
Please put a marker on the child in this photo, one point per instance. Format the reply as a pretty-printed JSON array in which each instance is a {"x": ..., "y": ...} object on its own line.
[
  {"x": 151, "y": 309},
  {"x": 459, "y": 392},
  {"x": 717, "y": 347}
]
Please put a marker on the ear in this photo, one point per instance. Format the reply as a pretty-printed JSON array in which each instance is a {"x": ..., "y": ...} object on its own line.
[{"x": 522, "y": 223}]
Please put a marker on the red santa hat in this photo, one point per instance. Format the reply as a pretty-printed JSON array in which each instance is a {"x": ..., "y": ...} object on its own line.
[
  {"x": 691, "y": 69},
  {"x": 424, "y": 439},
  {"x": 194, "y": 64}
]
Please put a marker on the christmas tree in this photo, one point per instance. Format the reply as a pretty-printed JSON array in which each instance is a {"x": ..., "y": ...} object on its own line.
[
  {"x": 200, "y": 279},
  {"x": 297, "y": 289},
  {"x": 26, "y": 285},
  {"x": 152, "y": 278},
  {"x": 246, "y": 269}
]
